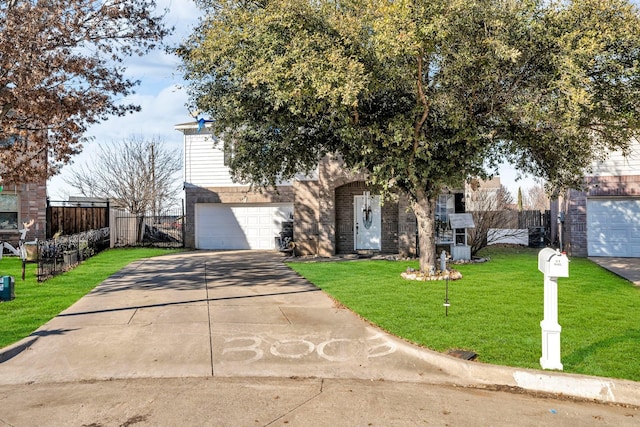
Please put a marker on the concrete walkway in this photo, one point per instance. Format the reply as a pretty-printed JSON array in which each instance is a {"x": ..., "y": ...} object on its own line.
[{"x": 192, "y": 326}]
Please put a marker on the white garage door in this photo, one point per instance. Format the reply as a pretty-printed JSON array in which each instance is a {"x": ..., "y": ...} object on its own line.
[
  {"x": 613, "y": 227},
  {"x": 242, "y": 226}
]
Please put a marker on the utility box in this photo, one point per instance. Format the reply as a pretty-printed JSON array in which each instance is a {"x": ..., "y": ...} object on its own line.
[
  {"x": 7, "y": 288},
  {"x": 553, "y": 263}
]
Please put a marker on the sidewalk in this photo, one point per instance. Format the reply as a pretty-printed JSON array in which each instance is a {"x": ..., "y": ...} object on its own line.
[{"x": 243, "y": 329}]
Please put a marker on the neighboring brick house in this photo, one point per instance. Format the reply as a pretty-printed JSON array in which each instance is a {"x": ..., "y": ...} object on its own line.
[
  {"x": 604, "y": 220},
  {"x": 22, "y": 203},
  {"x": 333, "y": 211}
]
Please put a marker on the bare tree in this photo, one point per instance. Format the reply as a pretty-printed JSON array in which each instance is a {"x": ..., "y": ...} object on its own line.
[
  {"x": 536, "y": 199},
  {"x": 491, "y": 209},
  {"x": 137, "y": 173}
]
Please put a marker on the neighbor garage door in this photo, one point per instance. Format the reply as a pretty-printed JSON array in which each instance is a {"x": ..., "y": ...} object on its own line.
[
  {"x": 242, "y": 226},
  {"x": 613, "y": 227}
]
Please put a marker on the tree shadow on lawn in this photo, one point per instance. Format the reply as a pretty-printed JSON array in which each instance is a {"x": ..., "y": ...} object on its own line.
[{"x": 579, "y": 356}]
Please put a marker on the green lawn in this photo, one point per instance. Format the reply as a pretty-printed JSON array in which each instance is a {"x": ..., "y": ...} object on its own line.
[
  {"x": 37, "y": 303},
  {"x": 496, "y": 309}
]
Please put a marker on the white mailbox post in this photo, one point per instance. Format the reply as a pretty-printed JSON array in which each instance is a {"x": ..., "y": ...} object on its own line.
[{"x": 553, "y": 264}]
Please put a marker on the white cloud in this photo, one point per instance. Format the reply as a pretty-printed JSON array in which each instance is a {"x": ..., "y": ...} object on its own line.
[
  {"x": 162, "y": 102},
  {"x": 157, "y": 118}
]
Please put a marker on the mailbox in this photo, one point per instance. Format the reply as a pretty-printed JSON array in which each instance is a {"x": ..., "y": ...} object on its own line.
[{"x": 553, "y": 263}]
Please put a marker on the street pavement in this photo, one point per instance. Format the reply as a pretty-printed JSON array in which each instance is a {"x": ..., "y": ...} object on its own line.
[{"x": 237, "y": 338}]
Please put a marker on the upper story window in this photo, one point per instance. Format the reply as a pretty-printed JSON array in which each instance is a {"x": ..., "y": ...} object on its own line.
[{"x": 8, "y": 211}]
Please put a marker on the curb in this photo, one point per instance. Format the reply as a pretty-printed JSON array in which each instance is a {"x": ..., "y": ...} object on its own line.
[{"x": 609, "y": 390}]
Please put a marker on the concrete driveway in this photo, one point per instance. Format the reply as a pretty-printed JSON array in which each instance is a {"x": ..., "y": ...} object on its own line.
[
  {"x": 210, "y": 314},
  {"x": 627, "y": 268},
  {"x": 237, "y": 338}
]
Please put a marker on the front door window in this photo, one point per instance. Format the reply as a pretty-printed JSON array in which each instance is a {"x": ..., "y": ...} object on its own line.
[{"x": 367, "y": 218}]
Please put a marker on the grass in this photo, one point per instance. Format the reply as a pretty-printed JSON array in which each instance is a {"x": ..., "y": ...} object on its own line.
[
  {"x": 37, "y": 303},
  {"x": 496, "y": 309}
]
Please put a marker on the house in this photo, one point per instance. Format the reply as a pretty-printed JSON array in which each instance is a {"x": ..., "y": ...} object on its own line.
[
  {"x": 331, "y": 212},
  {"x": 21, "y": 203},
  {"x": 604, "y": 219}
]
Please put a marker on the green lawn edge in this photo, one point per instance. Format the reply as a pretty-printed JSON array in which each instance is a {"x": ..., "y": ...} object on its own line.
[
  {"x": 36, "y": 303},
  {"x": 496, "y": 309}
]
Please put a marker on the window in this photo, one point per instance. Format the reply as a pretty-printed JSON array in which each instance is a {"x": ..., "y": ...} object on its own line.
[
  {"x": 8, "y": 211},
  {"x": 444, "y": 207}
]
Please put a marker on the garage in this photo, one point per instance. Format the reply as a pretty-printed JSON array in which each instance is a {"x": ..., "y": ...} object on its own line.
[
  {"x": 239, "y": 226},
  {"x": 613, "y": 227}
]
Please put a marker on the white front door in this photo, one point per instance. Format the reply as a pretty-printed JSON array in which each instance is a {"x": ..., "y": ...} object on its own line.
[{"x": 367, "y": 220}]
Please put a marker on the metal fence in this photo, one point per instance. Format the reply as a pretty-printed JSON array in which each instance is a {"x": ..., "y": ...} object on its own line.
[
  {"x": 56, "y": 255},
  {"x": 60, "y": 254},
  {"x": 164, "y": 230}
]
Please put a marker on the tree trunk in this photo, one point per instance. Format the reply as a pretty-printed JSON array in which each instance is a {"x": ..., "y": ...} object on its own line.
[
  {"x": 140, "y": 228},
  {"x": 424, "y": 209}
]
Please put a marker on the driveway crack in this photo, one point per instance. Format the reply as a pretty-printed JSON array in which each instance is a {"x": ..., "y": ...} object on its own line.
[
  {"x": 284, "y": 314},
  {"x": 206, "y": 286},
  {"x": 295, "y": 408}
]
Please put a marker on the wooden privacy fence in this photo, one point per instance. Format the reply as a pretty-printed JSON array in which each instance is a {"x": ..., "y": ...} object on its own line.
[
  {"x": 530, "y": 219},
  {"x": 512, "y": 219},
  {"x": 68, "y": 220}
]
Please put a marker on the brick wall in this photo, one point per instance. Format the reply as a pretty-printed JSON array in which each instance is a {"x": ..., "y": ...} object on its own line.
[
  {"x": 344, "y": 215},
  {"x": 331, "y": 175},
  {"x": 575, "y": 225},
  {"x": 344, "y": 196},
  {"x": 306, "y": 217},
  {"x": 32, "y": 204},
  {"x": 334, "y": 193}
]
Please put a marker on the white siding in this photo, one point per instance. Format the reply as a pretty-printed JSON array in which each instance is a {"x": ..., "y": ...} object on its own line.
[
  {"x": 617, "y": 164},
  {"x": 204, "y": 162}
]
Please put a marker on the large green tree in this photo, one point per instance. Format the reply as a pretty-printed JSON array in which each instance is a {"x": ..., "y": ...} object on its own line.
[{"x": 421, "y": 94}]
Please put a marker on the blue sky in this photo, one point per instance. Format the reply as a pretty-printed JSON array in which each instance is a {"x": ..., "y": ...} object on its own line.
[
  {"x": 163, "y": 105},
  {"x": 159, "y": 94}
]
